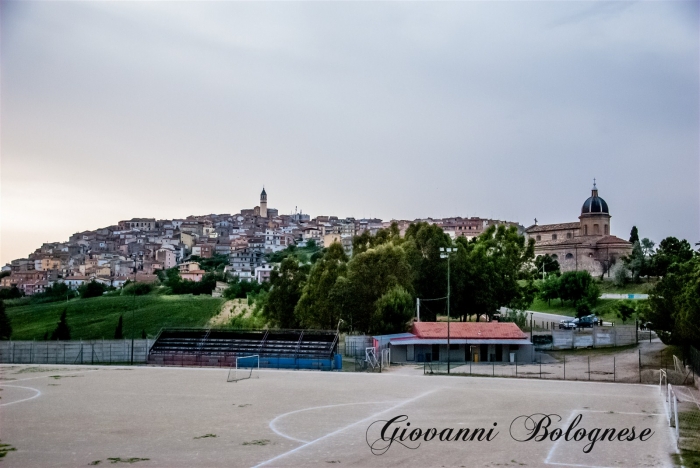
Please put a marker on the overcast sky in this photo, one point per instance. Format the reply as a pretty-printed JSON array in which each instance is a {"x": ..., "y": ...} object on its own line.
[{"x": 505, "y": 110}]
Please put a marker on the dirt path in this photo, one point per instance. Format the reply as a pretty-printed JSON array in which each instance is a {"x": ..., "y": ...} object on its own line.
[{"x": 229, "y": 310}]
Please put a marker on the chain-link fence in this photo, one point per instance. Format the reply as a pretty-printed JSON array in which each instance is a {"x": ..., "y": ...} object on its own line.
[
  {"x": 75, "y": 352},
  {"x": 683, "y": 411},
  {"x": 632, "y": 366}
]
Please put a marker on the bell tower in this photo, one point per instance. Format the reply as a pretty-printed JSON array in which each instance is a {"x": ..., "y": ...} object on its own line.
[{"x": 263, "y": 203}]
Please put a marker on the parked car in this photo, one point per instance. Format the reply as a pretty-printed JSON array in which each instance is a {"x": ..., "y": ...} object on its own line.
[
  {"x": 587, "y": 321},
  {"x": 568, "y": 324}
]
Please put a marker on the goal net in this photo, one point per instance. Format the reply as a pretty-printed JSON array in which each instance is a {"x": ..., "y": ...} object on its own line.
[{"x": 244, "y": 368}]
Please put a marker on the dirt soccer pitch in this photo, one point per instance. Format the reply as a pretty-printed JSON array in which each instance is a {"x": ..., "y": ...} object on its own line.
[{"x": 186, "y": 417}]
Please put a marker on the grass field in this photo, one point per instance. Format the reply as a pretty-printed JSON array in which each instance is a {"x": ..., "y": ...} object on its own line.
[
  {"x": 97, "y": 318},
  {"x": 605, "y": 309}
]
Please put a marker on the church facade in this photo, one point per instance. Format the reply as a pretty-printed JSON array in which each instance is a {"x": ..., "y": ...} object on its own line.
[{"x": 583, "y": 245}]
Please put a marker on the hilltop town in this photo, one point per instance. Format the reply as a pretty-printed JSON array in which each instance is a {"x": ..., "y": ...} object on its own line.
[{"x": 135, "y": 249}]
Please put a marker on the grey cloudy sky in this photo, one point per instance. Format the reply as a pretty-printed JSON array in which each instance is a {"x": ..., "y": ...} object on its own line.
[{"x": 393, "y": 110}]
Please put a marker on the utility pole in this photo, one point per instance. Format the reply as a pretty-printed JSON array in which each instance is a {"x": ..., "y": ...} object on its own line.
[
  {"x": 418, "y": 308},
  {"x": 446, "y": 254}
]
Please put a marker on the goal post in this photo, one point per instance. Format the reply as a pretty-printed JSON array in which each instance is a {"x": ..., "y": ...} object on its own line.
[{"x": 244, "y": 368}]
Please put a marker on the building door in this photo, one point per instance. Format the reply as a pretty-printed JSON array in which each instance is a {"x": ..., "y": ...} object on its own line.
[
  {"x": 499, "y": 352},
  {"x": 436, "y": 352},
  {"x": 484, "y": 352},
  {"x": 467, "y": 353},
  {"x": 410, "y": 353}
]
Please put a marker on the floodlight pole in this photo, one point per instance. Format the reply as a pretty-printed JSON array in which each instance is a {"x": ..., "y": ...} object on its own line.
[
  {"x": 133, "y": 324},
  {"x": 446, "y": 254}
]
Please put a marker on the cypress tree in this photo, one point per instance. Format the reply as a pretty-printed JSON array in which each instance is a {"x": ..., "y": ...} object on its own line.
[
  {"x": 119, "y": 333},
  {"x": 634, "y": 235},
  {"x": 62, "y": 331},
  {"x": 5, "y": 326}
]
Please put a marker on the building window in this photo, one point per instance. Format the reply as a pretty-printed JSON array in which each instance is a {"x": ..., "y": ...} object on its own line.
[
  {"x": 569, "y": 256},
  {"x": 538, "y": 238},
  {"x": 554, "y": 237},
  {"x": 585, "y": 230},
  {"x": 596, "y": 229},
  {"x": 606, "y": 229},
  {"x": 568, "y": 235}
]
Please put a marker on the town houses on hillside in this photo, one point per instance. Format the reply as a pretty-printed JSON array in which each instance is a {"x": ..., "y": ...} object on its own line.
[{"x": 137, "y": 248}]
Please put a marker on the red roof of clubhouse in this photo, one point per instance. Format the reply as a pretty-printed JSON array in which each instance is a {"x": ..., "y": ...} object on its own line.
[{"x": 468, "y": 330}]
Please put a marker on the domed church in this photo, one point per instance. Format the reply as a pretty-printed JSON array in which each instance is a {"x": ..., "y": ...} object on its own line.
[{"x": 583, "y": 245}]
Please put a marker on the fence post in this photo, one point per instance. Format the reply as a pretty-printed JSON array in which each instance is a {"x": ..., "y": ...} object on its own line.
[
  {"x": 640, "y": 365},
  {"x": 589, "y": 368},
  {"x": 614, "y": 370},
  {"x": 540, "y": 366},
  {"x": 493, "y": 368},
  {"x": 565, "y": 367},
  {"x": 516, "y": 365}
]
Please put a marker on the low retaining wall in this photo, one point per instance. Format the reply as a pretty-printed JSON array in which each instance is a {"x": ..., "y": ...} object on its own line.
[{"x": 595, "y": 337}]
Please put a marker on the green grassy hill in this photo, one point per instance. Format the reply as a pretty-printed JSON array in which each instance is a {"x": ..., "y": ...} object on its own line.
[{"x": 97, "y": 318}]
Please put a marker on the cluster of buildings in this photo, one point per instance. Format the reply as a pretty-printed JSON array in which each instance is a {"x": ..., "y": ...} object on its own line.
[{"x": 136, "y": 249}]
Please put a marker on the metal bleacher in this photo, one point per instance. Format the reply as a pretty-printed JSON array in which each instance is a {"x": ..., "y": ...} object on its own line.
[{"x": 276, "y": 348}]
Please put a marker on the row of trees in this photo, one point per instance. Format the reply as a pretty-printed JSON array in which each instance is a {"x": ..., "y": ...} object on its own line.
[
  {"x": 577, "y": 287},
  {"x": 375, "y": 290},
  {"x": 647, "y": 260}
]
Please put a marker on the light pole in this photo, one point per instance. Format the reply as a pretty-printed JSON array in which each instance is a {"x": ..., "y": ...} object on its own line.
[{"x": 445, "y": 253}]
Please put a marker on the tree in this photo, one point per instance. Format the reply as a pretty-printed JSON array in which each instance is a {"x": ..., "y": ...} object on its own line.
[
  {"x": 549, "y": 289},
  {"x": 5, "y": 325},
  {"x": 10, "y": 293},
  {"x": 318, "y": 306},
  {"x": 422, "y": 246},
  {"x": 91, "y": 289},
  {"x": 635, "y": 262},
  {"x": 286, "y": 284},
  {"x": 671, "y": 251},
  {"x": 634, "y": 235},
  {"x": 119, "y": 332},
  {"x": 485, "y": 273},
  {"x": 62, "y": 331},
  {"x": 578, "y": 287},
  {"x": 392, "y": 311},
  {"x": 674, "y": 304},
  {"x": 625, "y": 310},
  {"x": 546, "y": 264},
  {"x": 370, "y": 275}
]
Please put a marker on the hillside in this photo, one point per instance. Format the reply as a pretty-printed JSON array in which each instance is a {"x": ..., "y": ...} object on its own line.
[{"x": 97, "y": 318}]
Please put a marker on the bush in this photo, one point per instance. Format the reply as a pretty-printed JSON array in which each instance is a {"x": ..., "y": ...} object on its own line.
[
  {"x": 518, "y": 317},
  {"x": 137, "y": 289},
  {"x": 91, "y": 289}
]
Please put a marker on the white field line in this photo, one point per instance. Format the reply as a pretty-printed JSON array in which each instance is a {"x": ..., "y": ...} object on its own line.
[
  {"x": 554, "y": 447},
  {"x": 45, "y": 376},
  {"x": 36, "y": 395},
  {"x": 279, "y": 433},
  {"x": 331, "y": 434}
]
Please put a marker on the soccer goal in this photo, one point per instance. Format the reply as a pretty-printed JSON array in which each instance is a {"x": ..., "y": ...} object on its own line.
[{"x": 244, "y": 368}]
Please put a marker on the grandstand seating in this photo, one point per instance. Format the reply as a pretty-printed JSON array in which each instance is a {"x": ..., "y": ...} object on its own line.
[{"x": 221, "y": 347}]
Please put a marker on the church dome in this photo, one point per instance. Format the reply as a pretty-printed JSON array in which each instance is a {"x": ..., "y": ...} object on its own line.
[{"x": 594, "y": 204}]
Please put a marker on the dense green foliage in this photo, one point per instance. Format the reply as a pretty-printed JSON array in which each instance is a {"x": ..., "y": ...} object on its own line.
[
  {"x": 62, "y": 330},
  {"x": 545, "y": 264},
  {"x": 238, "y": 289},
  {"x": 171, "y": 279},
  {"x": 286, "y": 284},
  {"x": 576, "y": 287},
  {"x": 674, "y": 304},
  {"x": 5, "y": 325},
  {"x": 119, "y": 331},
  {"x": 96, "y": 318},
  {"x": 375, "y": 291},
  {"x": 10, "y": 293},
  {"x": 91, "y": 289}
]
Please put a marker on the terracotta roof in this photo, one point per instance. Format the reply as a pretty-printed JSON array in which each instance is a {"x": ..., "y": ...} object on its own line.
[
  {"x": 553, "y": 227},
  {"x": 468, "y": 330},
  {"x": 612, "y": 240}
]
